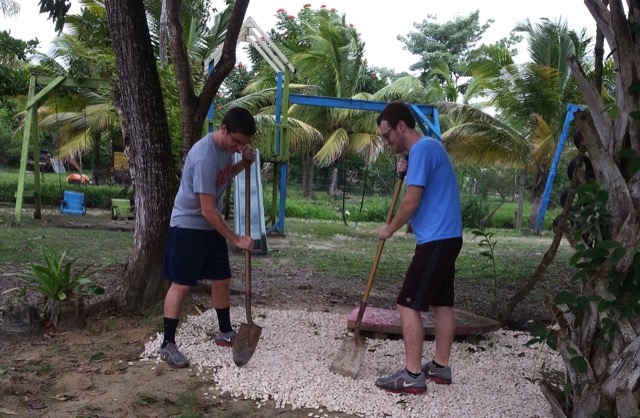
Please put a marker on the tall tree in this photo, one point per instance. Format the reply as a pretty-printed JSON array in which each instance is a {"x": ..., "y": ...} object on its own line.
[
  {"x": 14, "y": 54},
  {"x": 450, "y": 43},
  {"x": 138, "y": 97},
  {"x": 195, "y": 107},
  {"x": 599, "y": 337}
]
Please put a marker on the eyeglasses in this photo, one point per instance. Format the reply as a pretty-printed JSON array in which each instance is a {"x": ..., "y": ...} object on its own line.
[
  {"x": 241, "y": 142},
  {"x": 386, "y": 135}
]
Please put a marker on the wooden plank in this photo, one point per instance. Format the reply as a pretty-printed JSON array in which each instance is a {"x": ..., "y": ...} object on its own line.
[{"x": 388, "y": 321}]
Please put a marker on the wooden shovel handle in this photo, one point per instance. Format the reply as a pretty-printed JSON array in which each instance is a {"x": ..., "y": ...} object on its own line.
[
  {"x": 247, "y": 231},
  {"x": 372, "y": 275}
]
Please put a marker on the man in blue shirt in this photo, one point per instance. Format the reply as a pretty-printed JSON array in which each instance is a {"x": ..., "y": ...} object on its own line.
[{"x": 432, "y": 204}]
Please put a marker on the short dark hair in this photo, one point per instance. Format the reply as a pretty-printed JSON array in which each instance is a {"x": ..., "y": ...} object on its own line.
[
  {"x": 239, "y": 119},
  {"x": 397, "y": 111}
]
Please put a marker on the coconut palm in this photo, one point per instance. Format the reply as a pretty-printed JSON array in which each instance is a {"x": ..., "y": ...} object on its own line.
[
  {"x": 530, "y": 101},
  {"x": 328, "y": 56},
  {"x": 84, "y": 51}
]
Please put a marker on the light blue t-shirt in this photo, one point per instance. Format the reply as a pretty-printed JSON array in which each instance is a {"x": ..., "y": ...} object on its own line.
[
  {"x": 439, "y": 215},
  {"x": 207, "y": 170}
]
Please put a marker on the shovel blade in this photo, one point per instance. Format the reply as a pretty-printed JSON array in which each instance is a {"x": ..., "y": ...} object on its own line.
[
  {"x": 349, "y": 358},
  {"x": 245, "y": 343}
]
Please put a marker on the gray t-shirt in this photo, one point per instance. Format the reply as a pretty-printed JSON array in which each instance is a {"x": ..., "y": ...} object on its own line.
[{"x": 207, "y": 170}]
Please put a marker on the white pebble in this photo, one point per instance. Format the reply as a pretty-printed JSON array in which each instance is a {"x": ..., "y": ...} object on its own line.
[{"x": 491, "y": 378}]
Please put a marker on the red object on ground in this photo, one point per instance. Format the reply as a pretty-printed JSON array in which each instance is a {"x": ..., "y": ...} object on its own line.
[{"x": 78, "y": 178}]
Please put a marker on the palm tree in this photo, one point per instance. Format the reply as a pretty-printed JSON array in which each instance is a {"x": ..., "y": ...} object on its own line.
[
  {"x": 328, "y": 56},
  {"x": 84, "y": 51},
  {"x": 529, "y": 100}
]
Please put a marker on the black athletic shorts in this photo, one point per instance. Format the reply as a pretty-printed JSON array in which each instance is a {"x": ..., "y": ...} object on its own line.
[
  {"x": 193, "y": 254},
  {"x": 429, "y": 279}
]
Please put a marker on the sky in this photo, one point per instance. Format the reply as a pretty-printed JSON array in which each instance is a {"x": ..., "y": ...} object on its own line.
[{"x": 379, "y": 25}]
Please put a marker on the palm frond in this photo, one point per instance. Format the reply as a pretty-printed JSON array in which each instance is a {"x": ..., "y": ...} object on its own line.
[
  {"x": 333, "y": 147},
  {"x": 544, "y": 143},
  {"x": 367, "y": 146},
  {"x": 408, "y": 88}
]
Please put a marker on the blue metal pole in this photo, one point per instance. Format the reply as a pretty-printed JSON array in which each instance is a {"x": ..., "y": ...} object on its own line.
[
  {"x": 278, "y": 225},
  {"x": 571, "y": 109}
]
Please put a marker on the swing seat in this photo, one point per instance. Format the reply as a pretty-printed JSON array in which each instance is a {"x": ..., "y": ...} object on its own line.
[
  {"x": 73, "y": 203},
  {"x": 121, "y": 208}
]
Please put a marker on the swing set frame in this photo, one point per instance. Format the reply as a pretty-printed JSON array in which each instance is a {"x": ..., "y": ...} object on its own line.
[{"x": 31, "y": 133}]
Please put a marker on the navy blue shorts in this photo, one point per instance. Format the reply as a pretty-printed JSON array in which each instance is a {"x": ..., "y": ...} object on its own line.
[
  {"x": 429, "y": 279},
  {"x": 193, "y": 254}
]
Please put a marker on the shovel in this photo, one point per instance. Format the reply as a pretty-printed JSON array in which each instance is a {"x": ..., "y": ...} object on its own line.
[
  {"x": 249, "y": 333},
  {"x": 349, "y": 357}
]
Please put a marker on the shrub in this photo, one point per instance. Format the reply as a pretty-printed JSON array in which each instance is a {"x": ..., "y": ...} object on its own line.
[{"x": 474, "y": 209}]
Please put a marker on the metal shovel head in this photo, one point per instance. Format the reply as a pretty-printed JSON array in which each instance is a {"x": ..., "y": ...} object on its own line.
[
  {"x": 245, "y": 343},
  {"x": 349, "y": 357}
]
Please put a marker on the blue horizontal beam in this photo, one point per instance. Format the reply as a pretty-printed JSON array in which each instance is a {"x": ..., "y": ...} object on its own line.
[
  {"x": 420, "y": 110},
  {"x": 356, "y": 104}
]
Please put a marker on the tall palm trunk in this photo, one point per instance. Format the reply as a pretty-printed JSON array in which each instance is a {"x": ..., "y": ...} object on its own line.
[
  {"x": 536, "y": 198},
  {"x": 521, "y": 191},
  {"x": 333, "y": 184}
]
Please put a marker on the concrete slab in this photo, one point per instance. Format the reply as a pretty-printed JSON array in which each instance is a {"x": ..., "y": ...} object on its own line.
[{"x": 387, "y": 321}]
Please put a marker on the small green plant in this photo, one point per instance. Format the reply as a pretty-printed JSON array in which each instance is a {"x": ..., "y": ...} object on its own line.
[
  {"x": 58, "y": 281},
  {"x": 486, "y": 240}
]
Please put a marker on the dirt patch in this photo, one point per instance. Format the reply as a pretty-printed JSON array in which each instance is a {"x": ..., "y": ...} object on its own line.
[{"x": 96, "y": 373}]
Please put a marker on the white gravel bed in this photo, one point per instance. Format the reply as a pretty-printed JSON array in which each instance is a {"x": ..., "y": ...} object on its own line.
[{"x": 291, "y": 366}]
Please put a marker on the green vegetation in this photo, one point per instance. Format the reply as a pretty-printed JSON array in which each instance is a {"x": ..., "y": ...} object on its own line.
[
  {"x": 57, "y": 280},
  {"x": 340, "y": 251},
  {"x": 21, "y": 245},
  {"x": 52, "y": 187}
]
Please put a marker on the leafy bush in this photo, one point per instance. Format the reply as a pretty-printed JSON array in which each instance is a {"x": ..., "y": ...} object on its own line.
[
  {"x": 55, "y": 278},
  {"x": 51, "y": 191},
  {"x": 473, "y": 209},
  {"x": 57, "y": 281}
]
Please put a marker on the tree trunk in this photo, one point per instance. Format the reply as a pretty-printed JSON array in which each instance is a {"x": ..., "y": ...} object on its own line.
[
  {"x": 598, "y": 335},
  {"x": 150, "y": 157},
  {"x": 536, "y": 198},
  {"x": 307, "y": 174},
  {"x": 333, "y": 184},
  {"x": 521, "y": 192},
  {"x": 195, "y": 108}
]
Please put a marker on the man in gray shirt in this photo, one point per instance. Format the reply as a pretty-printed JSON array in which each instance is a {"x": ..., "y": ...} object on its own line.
[{"x": 196, "y": 245}]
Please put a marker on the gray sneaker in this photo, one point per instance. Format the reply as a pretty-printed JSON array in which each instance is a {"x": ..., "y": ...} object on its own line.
[
  {"x": 173, "y": 356},
  {"x": 402, "y": 382},
  {"x": 225, "y": 339},
  {"x": 440, "y": 375}
]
